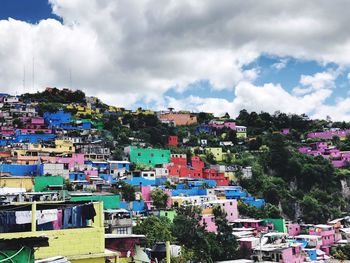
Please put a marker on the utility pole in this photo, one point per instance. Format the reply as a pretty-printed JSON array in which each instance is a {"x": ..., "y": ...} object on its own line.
[{"x": 33, "y": 72}]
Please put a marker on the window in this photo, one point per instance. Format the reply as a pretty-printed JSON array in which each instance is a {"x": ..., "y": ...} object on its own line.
[
  {"x": 138, "y": 154},
  {"x": 122, "y": 230}
]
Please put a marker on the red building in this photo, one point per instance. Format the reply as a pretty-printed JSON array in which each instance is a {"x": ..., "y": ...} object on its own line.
[
  {"x": 179, "y": 166},
  {"x": 173, "y": 140},
  {"x": 197, "y": 163},
  {"x": 178, "y": 159},
  {"x": 220, "y": 178}
]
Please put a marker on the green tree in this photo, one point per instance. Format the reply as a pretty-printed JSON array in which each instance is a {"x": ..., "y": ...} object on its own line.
[
  {"x": 155, "y": 229},
  {"x": 225, "y": 239},
  {"x": 159, "y": 198},
  {"x": 126, "y": 191}
]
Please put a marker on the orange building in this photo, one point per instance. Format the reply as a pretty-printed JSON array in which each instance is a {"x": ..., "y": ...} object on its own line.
[{"x": 179, "y": 118}]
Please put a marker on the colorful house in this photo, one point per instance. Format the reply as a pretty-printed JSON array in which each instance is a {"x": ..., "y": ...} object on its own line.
[
  {"x": 178, "y": 118},
  {"x": 216, "y": 152},
  {"x": 327, "y": 233},
  {"x": 212, "y": 174},
  {"x": 82, "y": 241},
  {"x": 147, "y": 156},
  {"x": 172, "y": 141}
]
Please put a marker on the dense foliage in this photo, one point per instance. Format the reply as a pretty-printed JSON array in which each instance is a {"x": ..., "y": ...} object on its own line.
[
  {"x": 199, "y": 245},
  {"x": 54, "y": 95}
]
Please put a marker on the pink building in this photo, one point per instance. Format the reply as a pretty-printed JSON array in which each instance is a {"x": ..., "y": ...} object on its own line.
[
  {"x": 294, "y": 229},
  {"x": 280, "y": 253},
  {"x": 257, "y": 224},
  {"x": 35, "y": 125},
  {"x": 228, "y": 206},
  {"x": 209, "y": 222},
  {"x": 328, "y": 134},
  {"x": 285, "y": 131},
  {"x": 327, "y": 233},
  {"x": 72, "y": 160},
  {"x": 7, "y": 130},
  {"x": 337, "y": 158},
  {"x": 220, "y": 125}
]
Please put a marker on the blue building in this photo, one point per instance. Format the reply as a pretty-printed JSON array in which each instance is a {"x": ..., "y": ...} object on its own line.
[
  {"x": 21, "y": 169},
  {"x": 59, "y": 119}
]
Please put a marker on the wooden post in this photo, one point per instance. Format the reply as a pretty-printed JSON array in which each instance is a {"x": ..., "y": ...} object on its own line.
[
  {"x": 34, "y": 216},
  {"x": 167, "y": 252}
]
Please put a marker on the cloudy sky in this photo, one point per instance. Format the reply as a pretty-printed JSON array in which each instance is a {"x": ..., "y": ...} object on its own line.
[{"x": 201, "y": 55}]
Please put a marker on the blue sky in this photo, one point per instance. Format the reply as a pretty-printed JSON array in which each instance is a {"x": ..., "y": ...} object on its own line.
[
  {"x": 188, "y": 56},
  {"x": 31, "y": 11}
]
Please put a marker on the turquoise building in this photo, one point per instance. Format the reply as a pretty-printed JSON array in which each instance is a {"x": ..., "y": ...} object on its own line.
[{"x": 149, "y": 157}]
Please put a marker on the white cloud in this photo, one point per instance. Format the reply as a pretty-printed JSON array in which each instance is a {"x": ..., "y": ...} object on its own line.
[
  {"x": 269, "y": 98},
  {"x": 320, "y": 80},
  {"x": 130, "y": 50},
  {"x": 281, "y": 64}
]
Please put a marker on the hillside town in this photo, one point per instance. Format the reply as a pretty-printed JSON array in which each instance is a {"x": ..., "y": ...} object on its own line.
[{"x": 82, "y": 181}]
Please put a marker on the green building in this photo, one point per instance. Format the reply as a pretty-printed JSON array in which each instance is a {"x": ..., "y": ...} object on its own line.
[
  {"x": 109, "y": 201},
  {"x": 21, "y": 249},
  {"x": 278, "y": 223},
  {"x": 170, "y": 214},
  {"x": 149, "y": 157},
  {"x": 41, "y": 183}
]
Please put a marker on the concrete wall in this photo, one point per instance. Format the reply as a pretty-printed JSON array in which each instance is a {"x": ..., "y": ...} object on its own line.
[{"x": 14, "y": 182}]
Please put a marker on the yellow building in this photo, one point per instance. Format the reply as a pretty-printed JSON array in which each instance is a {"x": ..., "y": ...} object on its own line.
[
  {"x": 61, "y": 146},
  {"x": 17, "y": 182},
  {"x": 77, "y": 244},
  {"x": 84, "y": 110},
  {"x": 115, "y": 109},
  {"x": 241, "y": 132},
  {"x": 231, "y": 176},
  {"x": 216, "y": 152},
  {"x": 144, "y": 112}
]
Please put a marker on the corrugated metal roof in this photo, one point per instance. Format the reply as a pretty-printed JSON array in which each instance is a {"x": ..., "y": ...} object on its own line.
[
  {"x": 58, "y": 259},
  {"x": 34, "y": 241}
]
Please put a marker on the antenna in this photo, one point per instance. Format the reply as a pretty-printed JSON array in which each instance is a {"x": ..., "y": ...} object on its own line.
[
  {"x": 33, "y": 72},
  {"x": 24, "y": 78},
  {"x": 70, "y": 78}
]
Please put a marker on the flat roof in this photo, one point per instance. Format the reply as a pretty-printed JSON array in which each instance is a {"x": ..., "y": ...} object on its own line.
[
  {"x": 247, "y": 220},
  {"x": 218, "y": 201},
  {"x": 237, "y": 229},
  {"x": 121, "y": 210},
  {"x": 126, "y": 162},
  {"x": 308, "y": 237},
  {"x": 323, "y": 226},
  {"x": 248, "y": 239},
  {"x": 334, "y": 221},
  {"x": 120, "y": 236}
]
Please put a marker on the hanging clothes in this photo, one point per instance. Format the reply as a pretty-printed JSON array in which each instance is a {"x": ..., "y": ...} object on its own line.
[
  {"x": 23, "y": 217},
  {"x": 46, "y": 216},
  {"x": 88, "y": 212},
  {"x": 77, "y": 216},
  {"x": 67, "y": 217},
  {"x": 7, "y": 221},
  {"x": 58, "y": 223}
]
